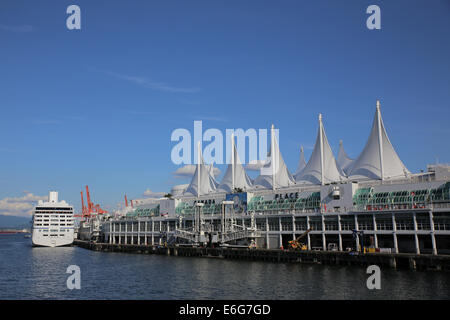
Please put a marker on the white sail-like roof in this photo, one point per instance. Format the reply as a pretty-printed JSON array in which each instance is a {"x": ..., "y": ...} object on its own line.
[
  {"x": 301, "y": 162},
  {"x": 321, "y": 167},
  {"x": 203, "y": 176},
  {"x": 275, "y": 173},
  {"x": 343, "y": 160},
  {"x": 211, "y": 172},
  {"x": 235, "y": 176},
  {"x": 378, "y": 160}
]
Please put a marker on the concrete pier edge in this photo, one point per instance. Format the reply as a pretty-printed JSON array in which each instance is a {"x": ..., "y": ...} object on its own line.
[{"x": 421, "y": 262}]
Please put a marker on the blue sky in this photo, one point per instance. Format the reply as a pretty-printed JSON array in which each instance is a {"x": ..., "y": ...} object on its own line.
[{"x": 97, "y": 106}]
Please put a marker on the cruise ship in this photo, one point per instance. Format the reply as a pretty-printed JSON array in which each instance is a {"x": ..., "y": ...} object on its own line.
[
  {"x": 52, "y": 224},
  {"x": 371, "y": 202}
]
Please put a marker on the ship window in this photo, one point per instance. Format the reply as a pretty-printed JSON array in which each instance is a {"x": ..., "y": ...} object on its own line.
[
  {"x": 45, "y": 224},
  {"x": 45, "y": 235}
]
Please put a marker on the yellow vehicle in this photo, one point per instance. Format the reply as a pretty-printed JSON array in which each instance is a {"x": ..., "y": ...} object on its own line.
[
  {"x": 370, "y": 250},
  {"x": 296, "y": 244}
]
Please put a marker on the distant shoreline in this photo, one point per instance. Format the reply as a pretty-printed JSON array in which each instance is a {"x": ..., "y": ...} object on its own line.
[{"x": 12, "y": 231}]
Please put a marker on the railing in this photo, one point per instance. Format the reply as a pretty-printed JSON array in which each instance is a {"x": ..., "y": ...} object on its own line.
[
  {"x": 384, "y": 226},
  {"x": 300, "y": 227},
  {"x": 441, "y": 226},
  {"x": 241, "y": 234},
  {"x": 404, "y": 225},
  {"x": 411, "y": 179},
  {"x": 394, "y": 207},
  {"x": 331, "y": 227},
  {"x": 423, "y": 225},
  {"x": 284, "y": 211},
  {"x": 363, "y": 208},
  {"x": 438, "y": 205},
  {"x": 346, "y": 226},
  {"x": 188, "y": 235}
]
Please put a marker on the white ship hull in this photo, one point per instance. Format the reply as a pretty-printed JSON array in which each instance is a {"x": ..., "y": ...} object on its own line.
[{"x": 40, "y": 240}]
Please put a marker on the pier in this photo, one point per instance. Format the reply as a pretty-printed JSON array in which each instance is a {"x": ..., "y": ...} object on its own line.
[{"x": 422, "y": 262}]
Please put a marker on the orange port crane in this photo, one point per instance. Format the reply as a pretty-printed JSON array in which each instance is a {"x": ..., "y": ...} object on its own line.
[
  {"x": 91, "y": 209},
  {"x": 89, "y": 203},
  {"x": 83, "y": 208}
]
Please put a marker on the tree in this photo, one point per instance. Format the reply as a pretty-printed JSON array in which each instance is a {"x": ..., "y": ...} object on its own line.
[{"x": 238, "y": 190}]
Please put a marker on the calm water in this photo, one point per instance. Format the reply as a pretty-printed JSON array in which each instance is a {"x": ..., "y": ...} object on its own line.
[{"x": 40, "y": 273}]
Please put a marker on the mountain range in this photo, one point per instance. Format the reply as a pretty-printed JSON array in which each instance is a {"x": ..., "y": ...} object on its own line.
[{"x": 14, "y": 222}]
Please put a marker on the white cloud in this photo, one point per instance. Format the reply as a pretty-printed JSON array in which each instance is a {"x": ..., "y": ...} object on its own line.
[
  {"x": 20, "y": 206},
  {"x": 255, "y": 165},
  {"x": 189, "y": 170},
  {"x": 46, "y": 121},
  {"x": 150, "y": 194},
  {"x": 185, "y": 171},
  {"x": 24, "y": 28},
  {"x": 147, "y": 83},
  {"x": 211, "y": 118},
  {"x": 216, "y": 171}
]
